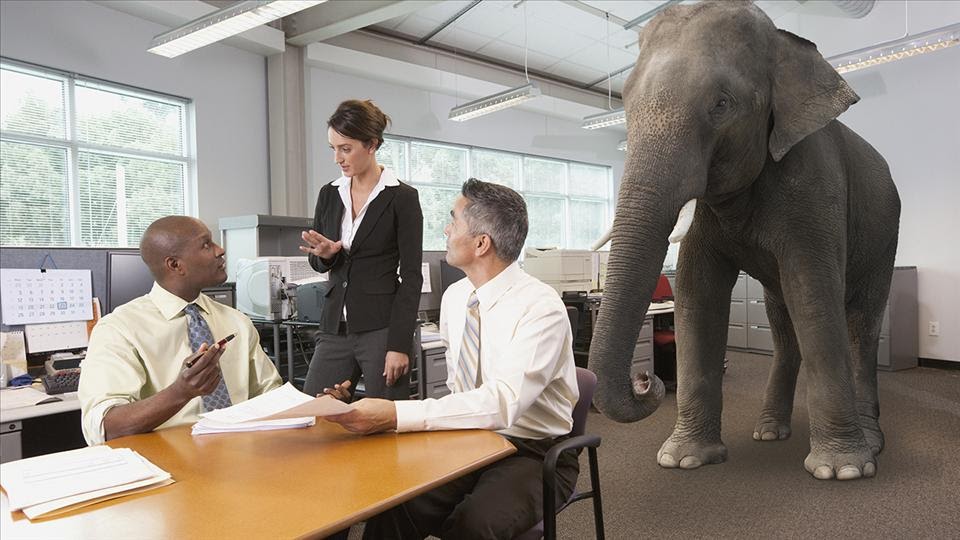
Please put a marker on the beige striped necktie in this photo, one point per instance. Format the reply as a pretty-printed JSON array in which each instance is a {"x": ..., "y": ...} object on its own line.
[{"x": 468, "y": 367}]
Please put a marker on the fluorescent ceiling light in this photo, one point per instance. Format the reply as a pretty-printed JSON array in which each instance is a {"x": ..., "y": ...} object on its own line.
[
  {"x": 602, "y": 120},
  {"x": 934, "y": 40},
  {"x": 224, "y": 23},
  {"x": 495, "y": 102},
  {"x": 622, "y": 146}
]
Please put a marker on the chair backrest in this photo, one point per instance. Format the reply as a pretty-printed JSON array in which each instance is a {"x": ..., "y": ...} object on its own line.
[
  {"x": 586, "y": 382},
  {"x": 663, "y": 290},
  {"x": 574, "y": 315}
]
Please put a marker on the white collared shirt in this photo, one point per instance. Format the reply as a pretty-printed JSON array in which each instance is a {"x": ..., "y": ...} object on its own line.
[
  {"x": 349, "y": 225},
  {"x": 526, "y": 359},
  {"x": 138, "y": 350}
]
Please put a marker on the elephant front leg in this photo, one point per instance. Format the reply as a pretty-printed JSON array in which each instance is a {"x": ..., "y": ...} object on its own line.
[
  {"x": 815, "y": 301},
  {"x": 703, "y": 309},
  {"x": 774, "y": 421}
]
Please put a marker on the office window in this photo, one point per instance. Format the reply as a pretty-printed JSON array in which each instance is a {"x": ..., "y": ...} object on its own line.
[
  {"x": 87, "y": 163},
  {"x": 569, "y": 204}
]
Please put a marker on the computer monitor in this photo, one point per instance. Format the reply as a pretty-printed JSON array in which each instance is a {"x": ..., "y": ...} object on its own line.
[
  {"x": 127, "y": 278},
  {"x": 449, "y": 275}
]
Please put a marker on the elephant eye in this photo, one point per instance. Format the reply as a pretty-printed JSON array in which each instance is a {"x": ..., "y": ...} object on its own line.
[{"x": 721, "y": 103}]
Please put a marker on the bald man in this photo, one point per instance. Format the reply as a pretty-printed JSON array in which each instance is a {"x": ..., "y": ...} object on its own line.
[{"x": 155, "y": 362}]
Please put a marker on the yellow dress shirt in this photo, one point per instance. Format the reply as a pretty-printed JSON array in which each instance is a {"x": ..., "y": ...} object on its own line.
[
  {"x": 529, "y": 379},
  {"x": 138, "y": 350}
]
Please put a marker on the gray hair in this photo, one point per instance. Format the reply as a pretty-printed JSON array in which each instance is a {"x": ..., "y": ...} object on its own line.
[{"x": 500, "y": 213}]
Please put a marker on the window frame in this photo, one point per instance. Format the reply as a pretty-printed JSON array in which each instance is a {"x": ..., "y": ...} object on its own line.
[
  {"x": 566, "y": 196},
  {"x": 74, "y": 147}
]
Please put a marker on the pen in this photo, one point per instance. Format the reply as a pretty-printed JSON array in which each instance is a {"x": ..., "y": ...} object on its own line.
[{"x": 220, "y": 343}]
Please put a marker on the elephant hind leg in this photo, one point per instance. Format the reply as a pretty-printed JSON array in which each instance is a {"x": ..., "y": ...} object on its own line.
[
  {"x": 774, "y": 421},
  {"x": 864, "y": 319}
]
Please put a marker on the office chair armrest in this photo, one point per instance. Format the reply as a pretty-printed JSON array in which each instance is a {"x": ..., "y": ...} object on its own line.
[
  {"x": 550, "y": 475},
  {"x": 573, "y": 443}
]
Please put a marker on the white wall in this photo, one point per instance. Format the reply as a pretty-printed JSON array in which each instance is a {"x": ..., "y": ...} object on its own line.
[
  {"x": 422, "y": 114},
  {"x": 227, "y": 85}
]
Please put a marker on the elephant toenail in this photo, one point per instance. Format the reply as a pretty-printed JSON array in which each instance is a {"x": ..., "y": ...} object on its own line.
[
  {"x": 690, "y": 462},
  {"x": 823, "y": 472},
  {"x": 769, "y": 436},
  {"x": 869, "y": 470},
  {"x": 848, "y": 472},
  {"x": 666, "y": 460},
  {"x": 756, "y": 435}
]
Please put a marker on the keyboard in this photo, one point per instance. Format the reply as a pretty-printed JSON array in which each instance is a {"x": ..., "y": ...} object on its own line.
[{"x": 65, "y": 380}]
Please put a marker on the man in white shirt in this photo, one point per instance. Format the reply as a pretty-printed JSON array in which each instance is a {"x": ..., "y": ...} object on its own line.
[
  {"x": 155, "y": 362},
  {"x": 510, "y": 368}
]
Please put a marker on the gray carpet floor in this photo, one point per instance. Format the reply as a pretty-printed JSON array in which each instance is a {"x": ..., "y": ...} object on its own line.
[{"x": 763, "y": 491}]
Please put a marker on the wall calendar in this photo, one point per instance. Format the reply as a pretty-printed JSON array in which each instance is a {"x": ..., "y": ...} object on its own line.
[{"x": 31, "y": 296}]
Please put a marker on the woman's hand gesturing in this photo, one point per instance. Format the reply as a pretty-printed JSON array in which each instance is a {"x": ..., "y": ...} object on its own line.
[{"x": 319, "y": 245}]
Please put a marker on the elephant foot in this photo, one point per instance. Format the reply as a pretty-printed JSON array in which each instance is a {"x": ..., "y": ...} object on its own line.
[
  {"x": 842, "y": 466},
  {"x": 771, "y": 427},
  {"x": 686, "y": 454}
]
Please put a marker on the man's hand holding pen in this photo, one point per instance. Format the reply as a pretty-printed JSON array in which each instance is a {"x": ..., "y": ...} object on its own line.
[{"x": 201, "y": 370}]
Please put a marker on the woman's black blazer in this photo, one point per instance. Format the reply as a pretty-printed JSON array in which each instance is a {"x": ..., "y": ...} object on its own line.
[{"x": 390, "y": 235}]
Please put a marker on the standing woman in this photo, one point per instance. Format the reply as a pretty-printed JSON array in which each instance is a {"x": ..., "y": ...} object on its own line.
[{"x": 367, "y": 224}]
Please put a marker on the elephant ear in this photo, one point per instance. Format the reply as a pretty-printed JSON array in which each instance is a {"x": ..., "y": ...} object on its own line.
[{"x": 807, "y": 93}]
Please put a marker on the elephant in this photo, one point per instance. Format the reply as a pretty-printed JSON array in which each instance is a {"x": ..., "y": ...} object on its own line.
[{"x": 733, "y": 146}]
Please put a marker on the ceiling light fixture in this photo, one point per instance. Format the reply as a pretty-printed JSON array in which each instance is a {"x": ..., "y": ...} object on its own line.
[
  {"x": 503, "y": 100},
  {"x": 934, "y": 40},
  {"x": 224, "y": 23},
  {"x": 605, "y": 119},
  {"x": 495, "y": 102}
]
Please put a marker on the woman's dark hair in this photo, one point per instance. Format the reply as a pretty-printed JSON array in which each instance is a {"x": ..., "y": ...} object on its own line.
[{"x": 360, "y": 120}]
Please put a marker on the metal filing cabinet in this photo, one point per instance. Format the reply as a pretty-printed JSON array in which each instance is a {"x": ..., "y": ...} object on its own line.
[
  {"x": 737, "y": 327},
  {"x": 643, "y": 350},
  {"x": 748, "y": 327},
  {"x": 899, "y": 347},
  {"x": 434, "y": 371},
  {"x": 10, "y": 437}
]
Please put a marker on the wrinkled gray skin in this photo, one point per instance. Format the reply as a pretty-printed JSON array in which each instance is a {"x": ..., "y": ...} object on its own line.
[{"x": 725, "y": 108}]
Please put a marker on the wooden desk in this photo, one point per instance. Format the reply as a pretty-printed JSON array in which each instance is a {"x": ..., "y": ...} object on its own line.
[{"x": 280, "y": 484}]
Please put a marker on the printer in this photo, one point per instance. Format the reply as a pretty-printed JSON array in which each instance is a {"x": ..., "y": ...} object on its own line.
[
  {"x": 265, "y": 285},
  {"x": 563, "y": 269}
]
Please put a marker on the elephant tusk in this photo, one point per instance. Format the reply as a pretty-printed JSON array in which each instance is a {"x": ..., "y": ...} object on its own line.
[
  {"x": 683, "y": 221},
  {"x": 602, "y": 240}
]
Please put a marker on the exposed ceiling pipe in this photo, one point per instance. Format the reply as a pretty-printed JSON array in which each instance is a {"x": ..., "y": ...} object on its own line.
[
  {"x": 856, "y": 9},
  {"x": 853, "y": 9}
]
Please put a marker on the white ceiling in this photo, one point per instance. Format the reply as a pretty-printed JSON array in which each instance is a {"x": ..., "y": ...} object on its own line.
[
  {"x": 563, "y": 40},
  {"x": 579, "y": 51}
]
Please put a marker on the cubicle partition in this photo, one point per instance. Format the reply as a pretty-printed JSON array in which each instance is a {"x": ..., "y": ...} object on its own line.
[{"x": 93, "y": 259}]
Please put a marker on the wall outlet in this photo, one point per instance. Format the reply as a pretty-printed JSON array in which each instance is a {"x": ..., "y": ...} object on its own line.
[{"x": 933, "y": 328}]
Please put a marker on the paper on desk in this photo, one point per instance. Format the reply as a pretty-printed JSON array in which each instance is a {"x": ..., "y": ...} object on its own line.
[
  {"x": 12, "y": 350},
  {"x": 207, "y": 426},
  {"x": 159, "y": 478},
  {"x": 50, "y": 477},
  {"x": 428, "y": 336},
  {"x": 283, "y": 402},
  {"x": 22, "y": 396}
]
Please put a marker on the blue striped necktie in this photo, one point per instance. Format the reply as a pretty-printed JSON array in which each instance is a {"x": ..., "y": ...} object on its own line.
[
  {"x": 199, "y": 333},
  {"x": 468, "y": 369}
]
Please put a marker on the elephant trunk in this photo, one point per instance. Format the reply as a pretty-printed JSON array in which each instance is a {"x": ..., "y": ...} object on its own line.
[{"x": 644, "y": 220}]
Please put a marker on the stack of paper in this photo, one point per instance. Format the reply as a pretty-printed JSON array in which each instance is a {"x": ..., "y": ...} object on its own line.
[
  {"x": 56, "y": 483},
  {"x": 282, "y": 408}
]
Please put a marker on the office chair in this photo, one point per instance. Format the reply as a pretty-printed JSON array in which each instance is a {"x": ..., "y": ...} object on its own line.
[
  {"x": 547, "y": 529},
  {"x": 664, "y": 339}
]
